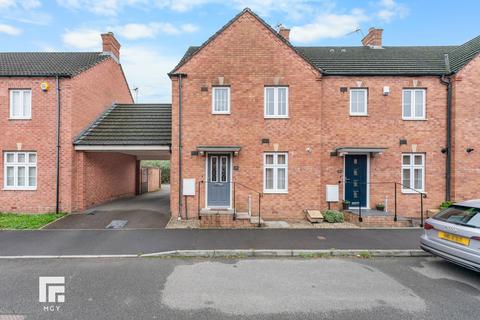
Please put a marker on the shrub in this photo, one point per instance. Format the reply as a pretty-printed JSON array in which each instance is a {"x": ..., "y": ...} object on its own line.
[
  {"x": 333, "y": 216},
  {"x": 445, "y": 204}
]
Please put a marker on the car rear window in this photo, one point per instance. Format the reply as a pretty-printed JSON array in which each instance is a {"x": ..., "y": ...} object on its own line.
[{"x": 465, "y": 216}]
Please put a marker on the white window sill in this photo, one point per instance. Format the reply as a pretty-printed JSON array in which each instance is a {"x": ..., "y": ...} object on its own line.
[
  {"x": 274, "y": 192},
  {"x": 220, "y": 113},
  {"x": 19, "y": 118},
  {"x": 18, "y": 189},
  {"x": 413, "y": 192},
  {"x": 276, "y": 117},
  {"x": 414, "y": 119},
  {"x": 358, "y": 114}
]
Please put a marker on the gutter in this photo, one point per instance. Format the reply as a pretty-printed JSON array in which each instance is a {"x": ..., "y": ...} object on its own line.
[
  {"x": 447, "y": 80},
  {"x": 180, "y": 145}
]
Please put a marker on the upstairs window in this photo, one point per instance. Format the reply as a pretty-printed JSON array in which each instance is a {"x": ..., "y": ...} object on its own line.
[
  {"x": 221, "y": 100},
  {"x": 275, "y": 172},
  {"x": 20, "y": 171},
  {"x": 20, "y": 104},
  {"x": 358, "y": 102},
  {"x": 414, "y": 104},
  {"x": 413, "y": 172},
  {"x": 276, "y": 102}
]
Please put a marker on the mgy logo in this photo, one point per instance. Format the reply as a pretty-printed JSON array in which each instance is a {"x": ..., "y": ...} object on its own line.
[{"x": 51, "y": 289}]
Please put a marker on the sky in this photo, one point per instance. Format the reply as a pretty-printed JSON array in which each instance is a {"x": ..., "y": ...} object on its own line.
[{"x": 155, "y": 34}]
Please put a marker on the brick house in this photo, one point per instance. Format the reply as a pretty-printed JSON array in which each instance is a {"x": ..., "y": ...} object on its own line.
[
  {"x": 46, "y": 100},
  {"x": 261, "y": 125}
]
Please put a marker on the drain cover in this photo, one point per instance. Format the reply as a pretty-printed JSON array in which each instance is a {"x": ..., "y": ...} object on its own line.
[{"x": 117, "y": 224}]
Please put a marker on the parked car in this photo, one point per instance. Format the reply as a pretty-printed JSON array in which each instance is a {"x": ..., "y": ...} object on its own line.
[{"x": 454, "y": 234}]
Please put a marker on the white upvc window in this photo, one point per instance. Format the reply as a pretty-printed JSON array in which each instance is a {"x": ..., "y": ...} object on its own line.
[
  {"x": 20, "y": 171},
  {"x": 413, "y": 104},
  {"x": 276, "y": 102},
  {"x": 358, "y": 102},
  {"x": 221, "y": 100},
  {"x": 275, "y": 172},
  {"x": 20, "y": 104},
  {"x": 413, "y": 172}
]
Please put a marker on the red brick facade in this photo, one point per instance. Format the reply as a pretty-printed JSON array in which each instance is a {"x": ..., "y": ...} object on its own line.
[
  {"x": 466, "y": 115},
  {"x": 83, "y": 182},
  {"x": 248, "y": 56}
]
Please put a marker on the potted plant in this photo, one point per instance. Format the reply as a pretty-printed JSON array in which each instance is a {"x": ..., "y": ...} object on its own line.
[
  {"x": 380, "y": 206},
  {"x": 345, "y": 204}
]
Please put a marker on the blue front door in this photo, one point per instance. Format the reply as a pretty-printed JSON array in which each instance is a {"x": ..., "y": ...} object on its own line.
[
  {"x": 356, "y": 179},
  {"x": 218, "y": 182}
]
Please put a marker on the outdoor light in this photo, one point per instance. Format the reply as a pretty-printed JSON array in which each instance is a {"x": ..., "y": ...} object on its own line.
[{"x": 469, "y": 150}]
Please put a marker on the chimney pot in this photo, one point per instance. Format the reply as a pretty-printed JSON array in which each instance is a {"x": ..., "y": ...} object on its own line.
[
  {"x": 373, "y": 38},
  {"x": 284, "y": 32},
  {"x": 111, "y": 45}
]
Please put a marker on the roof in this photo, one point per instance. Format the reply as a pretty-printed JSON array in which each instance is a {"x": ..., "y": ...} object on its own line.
[
  {"x": 194, "y": 50},
  {"x": 67, "y": 64},
  {"x": 361, "y": 60},
  {"x": 130, "y": 124},
  {"x": 463, "y": 54}
]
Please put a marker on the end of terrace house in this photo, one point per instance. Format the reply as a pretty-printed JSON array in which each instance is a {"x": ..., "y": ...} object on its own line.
[{"x": 258, "y": 127}]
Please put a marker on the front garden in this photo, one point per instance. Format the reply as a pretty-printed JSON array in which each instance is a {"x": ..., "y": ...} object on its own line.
[{"x": 14, "y": 221}]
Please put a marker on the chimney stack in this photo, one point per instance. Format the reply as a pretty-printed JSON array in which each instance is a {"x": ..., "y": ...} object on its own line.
[
  {"x": 373, "y": 39},
  {"x": 110, "y": 45},
  {"x": 284, "y": 32}
]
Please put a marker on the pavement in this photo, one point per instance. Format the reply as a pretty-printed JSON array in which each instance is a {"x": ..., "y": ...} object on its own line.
[
  {"x": 138, "y": 241},
  {"x": 333, "y": 288},
  {"x": 150, "y": 210}
]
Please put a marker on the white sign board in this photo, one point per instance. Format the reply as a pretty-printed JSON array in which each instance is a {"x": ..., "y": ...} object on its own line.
[
  {"x": 332, "y": 192},
  {"x": 188, "y": 187}
]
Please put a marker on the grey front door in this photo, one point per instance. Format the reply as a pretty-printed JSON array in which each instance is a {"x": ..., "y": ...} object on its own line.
[{"x": 218, "y": 181}]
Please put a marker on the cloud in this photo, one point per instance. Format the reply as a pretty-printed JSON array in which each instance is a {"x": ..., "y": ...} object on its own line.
[
  {"x": 84, "y": 39},
  {"x": 9, "y": 30},
  {"x": 328, "y": 25},
  {"x": 133, "y": 31},
  {"x": 100, "y": 7},
  {"x": 389, "y": 9},
  {"x": 137, "y": 61},
  {"x": 25, "y": 4}
]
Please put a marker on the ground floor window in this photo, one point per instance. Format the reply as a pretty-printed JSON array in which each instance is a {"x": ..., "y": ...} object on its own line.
[
  {"x": 275, "y": 172},
  {"x": 413, "y": 172},
  {"x": 20, "y": 170}
]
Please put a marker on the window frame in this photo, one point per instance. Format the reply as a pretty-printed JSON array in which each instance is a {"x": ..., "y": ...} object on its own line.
[
  {"x": 214, "y": 89},
  {"x": 359, "y": 114},
  {"x": 412, "y": 166},
  {"x": 275, "y": 102},
  {"x": 412, "y": 104},
  {"x": 11, "y": 113},
  {"x": 15, "y": 164},
  {"x": 275, "y": 166}
]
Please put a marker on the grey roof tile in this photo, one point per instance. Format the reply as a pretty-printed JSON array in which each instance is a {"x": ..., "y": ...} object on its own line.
[
  {"x": 130, "y": 124},
  {"x": 28, "y": 64}
]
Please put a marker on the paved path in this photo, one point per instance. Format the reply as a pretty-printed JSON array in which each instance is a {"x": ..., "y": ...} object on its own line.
[
  {"x": 150, "y": 210},
  {"x": 372, "y": 289},
  {"x": 104, "y": 242}
]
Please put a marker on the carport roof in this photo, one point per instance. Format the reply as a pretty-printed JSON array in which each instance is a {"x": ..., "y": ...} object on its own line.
[{"x": 130, "y": 125}]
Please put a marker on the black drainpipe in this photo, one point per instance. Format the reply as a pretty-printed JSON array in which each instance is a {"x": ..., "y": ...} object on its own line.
[
  {"x": 446, "y": 80},
  {"x": 180, "y": 146},
  {"x": 57, "y": 196}
]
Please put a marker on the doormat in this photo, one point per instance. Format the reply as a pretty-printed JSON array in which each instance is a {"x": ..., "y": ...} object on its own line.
[{"x": 117, "y": 224}]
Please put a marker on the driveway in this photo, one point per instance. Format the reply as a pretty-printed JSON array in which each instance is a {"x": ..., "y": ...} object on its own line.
[{"x": 150, "y": 210}]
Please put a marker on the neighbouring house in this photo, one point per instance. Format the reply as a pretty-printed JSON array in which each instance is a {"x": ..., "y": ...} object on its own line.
[
  {"x": 46, "y": 101},
  {"x": 260, "y": 125}
]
